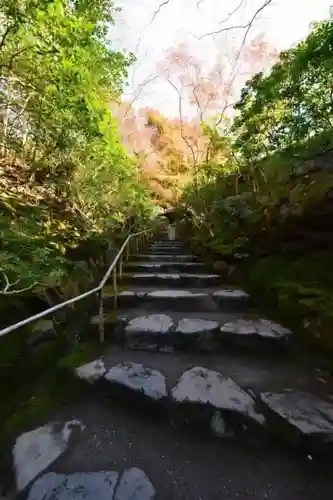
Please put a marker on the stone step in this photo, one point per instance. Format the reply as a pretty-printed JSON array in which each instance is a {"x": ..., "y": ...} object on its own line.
[
  {"x": 164, "y": 266},
  {"x": 127, "y": 454},
  {"x": 154, "y": 298},
  {"x": 226, "y": 398},
  {"x": 166, "y": 247},
  {"x": 174, "y": 243},
  {"x": 164, "y": 257},
  {"x": 168, "y": 250},
  {"x": 167, "y": 243},
  {"x": 209, "y": 332},
  {"x": 200, "y": 398},
  {"x": 176, "y": 280}
]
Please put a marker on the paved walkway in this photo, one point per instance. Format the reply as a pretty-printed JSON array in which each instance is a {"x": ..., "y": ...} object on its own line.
[{"x": 196, "y": 398}]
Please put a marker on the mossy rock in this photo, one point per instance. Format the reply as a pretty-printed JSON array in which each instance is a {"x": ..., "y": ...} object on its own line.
[
  {"x": 83, "y": 353},
  {"x": 31, "y": 413},
  {"x": 220, "y": 266},
  {"x": 226, "y": 250},
  {"x": 57, "y": 389}
]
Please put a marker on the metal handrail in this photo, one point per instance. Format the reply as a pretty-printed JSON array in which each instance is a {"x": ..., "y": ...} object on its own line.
[{"x": 138, "y": 238}]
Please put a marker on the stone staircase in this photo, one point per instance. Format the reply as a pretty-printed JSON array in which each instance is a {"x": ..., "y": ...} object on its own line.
[
  {"x": 185, "y": 355},
  {"x": 202, "y": 351}
]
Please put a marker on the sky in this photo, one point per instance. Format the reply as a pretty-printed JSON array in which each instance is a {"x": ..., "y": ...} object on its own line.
[{"x": 139, "y": 28}]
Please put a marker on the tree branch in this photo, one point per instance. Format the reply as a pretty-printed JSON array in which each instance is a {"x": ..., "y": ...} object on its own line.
[
  {"x": 180, "y": 109},
  {"x": 7, "y": 290},
  {"x": 5, "y": 35},
  {"x": 246, "y": 26},
  {"x": 233, "y": 72},
  {"x": 236, "y": 9},
  {"x": 166, "y": 2},
  {"x": 150, "y": 79}
]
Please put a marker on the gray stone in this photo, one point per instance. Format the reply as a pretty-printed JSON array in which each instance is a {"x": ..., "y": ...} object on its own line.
[
  {"x": 127, "y": 293},
  {"x": 261, "y": 327},
  {"x": 167, "y": 256},
  {"x": 154, "y": 323},
  {"x": 43, "y": 325},
  {"x": 77, "y": 486},
  {"x": 91, "y": 371},
  {"x": 162, "y": 276},
  {"x": 139, "y": 378},
  {"x": 156, "y": 265},
  {"x": 37, "y": 449},
  {"x": 231, "y": 294},
  {"x": 190, "y": 326},
  {"x": 134, "y": 485},
  {"x": 201, "y": 276},
  {"x": 42, "y": 331},
  {"x": 300, "y": 418},
  {"x": 202, "y": 387},
  {"x": 165, "y": 276},
  {"x": 218, "y": 424},
  {"x": 175, "y": 294}
]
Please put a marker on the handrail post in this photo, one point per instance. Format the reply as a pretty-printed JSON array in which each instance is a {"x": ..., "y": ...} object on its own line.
[
  {"x": 121, "y": 266},
  {"x": 115, "y": 298},
  {"x": 101, "y": 316}
]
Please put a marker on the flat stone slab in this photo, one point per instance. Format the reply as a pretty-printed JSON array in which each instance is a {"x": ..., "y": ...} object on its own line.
[
  {"x": 133, "y": 485},
  {"x": 176, "y": 294},
  {"x": 154, "y": 323},
  {"x": 231, "y": 294},
  {"x": 34, "y": 451},
  {"x": 192, "y": 326},
  {"x": 91, "y": 372},
  {"x": 162, "y": 276},
  {"x": 43, "y": 325},
  {"x": 77, "y": 486},
  {"x": 146, "y": 265},
  {"x": 164, "y": 264},
  {"x": 203, "y": 388},
  {"x": 138, "y": 378},
  {"x": 127, "y": 293},
  {"x": 300, "y": 418},
  {"x": 165, "y": 256},
  {"x": 174, "y": 279},
  {"x": 262, "y": 328}
]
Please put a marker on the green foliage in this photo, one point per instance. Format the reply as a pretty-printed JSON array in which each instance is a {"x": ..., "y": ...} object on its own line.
[
  {"x": 266, "y": 203},
  {"x": 291, "y": 104},
  {"x": 64, "y": 175}
]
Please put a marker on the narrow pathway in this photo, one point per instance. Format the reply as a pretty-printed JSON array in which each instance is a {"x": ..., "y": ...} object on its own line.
[{"x": 195, "y": 399}]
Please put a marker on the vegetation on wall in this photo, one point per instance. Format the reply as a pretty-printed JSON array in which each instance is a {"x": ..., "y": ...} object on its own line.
[
  {"x": 269, "y": 206},
  {"x": 69, "y": 190},
  {"x": 65, "y": 176}
]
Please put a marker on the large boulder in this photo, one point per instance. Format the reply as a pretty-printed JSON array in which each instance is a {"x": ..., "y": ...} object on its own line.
[
  {"x": 254, "y": 333},
  {"x": 91, "y": 372},
  {"x": 151, "y": 332},
  {"x": 132, "y": 379},
  {"x": 300, "y": 419},
  {"x": 132, "y": 485},
  {"x": 196, "y": 333},
  {"x": 35, "y": 450},
  {"x": 205, "y": 397}
]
